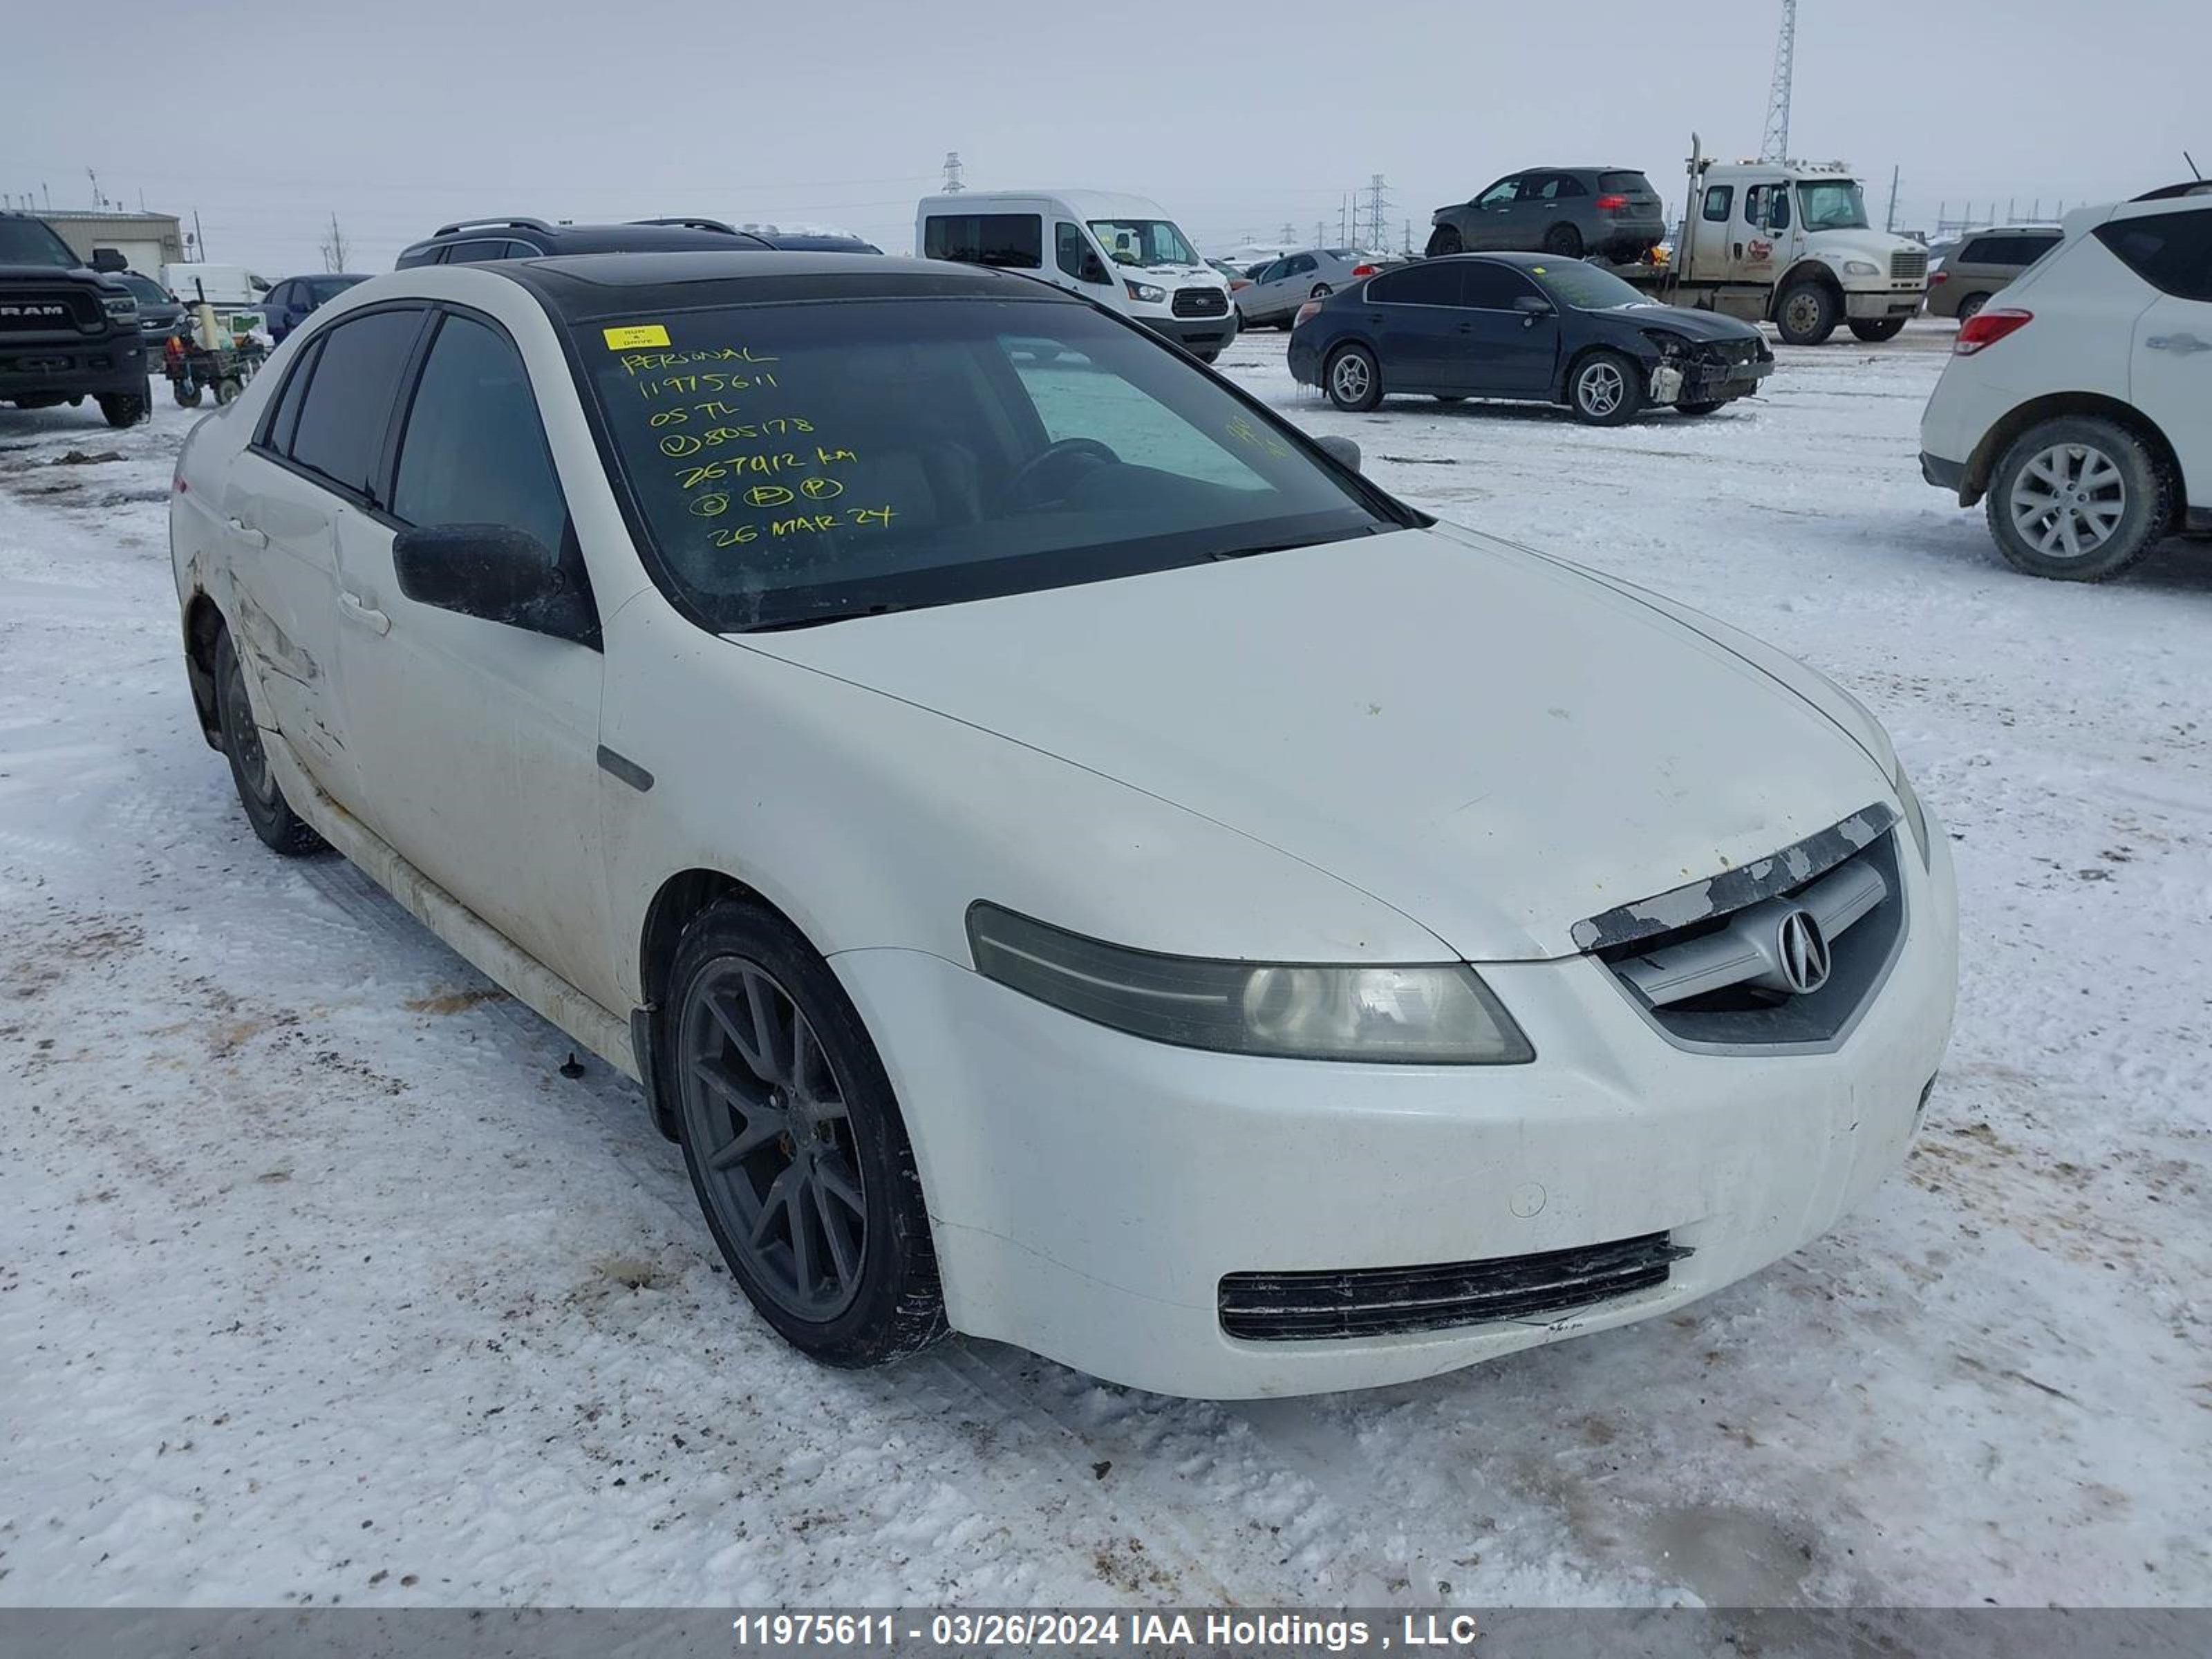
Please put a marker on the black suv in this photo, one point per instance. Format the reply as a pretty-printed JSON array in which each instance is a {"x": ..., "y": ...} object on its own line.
[
  {"x": 473, "y": 241},
  {"x": 67, "y": 332}
]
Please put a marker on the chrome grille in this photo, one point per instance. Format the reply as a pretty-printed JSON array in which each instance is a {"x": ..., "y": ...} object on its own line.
[{"x": 1720, "y": 964}]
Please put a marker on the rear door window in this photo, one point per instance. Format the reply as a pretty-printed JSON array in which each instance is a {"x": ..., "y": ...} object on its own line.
[
  {"x": 1012, "y": 241},
  {"x": 2171, "y": 251},
  {"x": 1434, "y": 282},
  {"x": 348, "y": 406},
  {"x": 474, "y": 451},
  {"x": 286, "y": 415},
  {"x": 1493, "y": 288}
]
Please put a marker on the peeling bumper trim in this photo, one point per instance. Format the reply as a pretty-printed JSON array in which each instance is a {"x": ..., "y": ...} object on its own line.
[{"x": 1732, "y": 890}]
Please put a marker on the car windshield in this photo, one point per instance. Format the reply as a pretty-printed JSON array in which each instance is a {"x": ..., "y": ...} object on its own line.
[
  {"x": 802, "y": 462},
  {"x": 1585, "y": 287},
  {"x": 149, "y": 292},
  {"x": 1143, "y": 241},
  {"x": 27, "y": 242},
  {"x": 1833, "y": 204}
]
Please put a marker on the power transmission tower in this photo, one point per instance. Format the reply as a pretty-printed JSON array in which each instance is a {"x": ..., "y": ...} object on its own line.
[
  {"x": 953, "y": 185},
  {"x": 1377, "y": 203},
  {"x": 1289, "y": 232},
  {"x": 1775, "y": 146}
]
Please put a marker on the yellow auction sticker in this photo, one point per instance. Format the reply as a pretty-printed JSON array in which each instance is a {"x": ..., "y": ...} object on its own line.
[{"x": 637, "y": 337}]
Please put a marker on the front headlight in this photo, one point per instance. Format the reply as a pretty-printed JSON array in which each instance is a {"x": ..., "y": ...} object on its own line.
[
  {"x": 1671, "y": 346},
  {"x": 1860, "y": 268},
  {"x": 1916, "y": 817},
  {"x": 1432, "y": 1014},
  {"x": 125, "y": 307},
  {"x": 1145, "y": 291}
]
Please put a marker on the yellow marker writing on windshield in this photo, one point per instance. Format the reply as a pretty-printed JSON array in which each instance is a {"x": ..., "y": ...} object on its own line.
[{"x": 636, "y": 336}]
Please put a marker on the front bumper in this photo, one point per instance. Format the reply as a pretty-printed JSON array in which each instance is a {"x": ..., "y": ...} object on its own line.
[
  {"x": 72, "y": 366},
  {"x": 1875, "y": 306},
  {"x": 1698, "y": 381},
  {"x": 1089, "y": 1191},
  {"x": 1196, "y": 334}
]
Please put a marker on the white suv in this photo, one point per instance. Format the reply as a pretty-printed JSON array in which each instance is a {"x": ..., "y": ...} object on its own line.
[{"x": 2081, "y": 406}]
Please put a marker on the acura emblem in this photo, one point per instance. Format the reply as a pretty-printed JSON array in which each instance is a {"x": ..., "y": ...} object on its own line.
[{"x": 1803, "y": 952}]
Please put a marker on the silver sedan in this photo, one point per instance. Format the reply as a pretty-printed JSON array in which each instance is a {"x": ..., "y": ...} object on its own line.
[{"x": 1279, "y": 288}]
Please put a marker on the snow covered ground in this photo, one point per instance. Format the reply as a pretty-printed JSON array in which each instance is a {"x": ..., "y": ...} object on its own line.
[{"x": 320, "y": 1282}]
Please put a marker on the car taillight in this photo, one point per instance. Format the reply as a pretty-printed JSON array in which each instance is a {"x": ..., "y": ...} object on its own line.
[
  {"x": 1364, "y": 271},
  {"x": 1612, "y": 204},
  {"x": 1936, "y": 276},
  {"x": 1985, "y": 328},
  {"x": 1309, "y": 309}
]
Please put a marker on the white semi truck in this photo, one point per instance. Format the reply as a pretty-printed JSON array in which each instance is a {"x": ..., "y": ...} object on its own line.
[{"x": 1788, "y": 243}]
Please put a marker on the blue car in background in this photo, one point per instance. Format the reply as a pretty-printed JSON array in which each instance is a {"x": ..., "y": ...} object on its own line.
[
  {"x": 1523, "y": 326},
  {"x": 292, "y": 301}
]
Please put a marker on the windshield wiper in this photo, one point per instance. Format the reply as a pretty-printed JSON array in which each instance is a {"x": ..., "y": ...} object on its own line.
[
  {"x": 819, "y": 617},
  {"x": 1291, "y": 546}
]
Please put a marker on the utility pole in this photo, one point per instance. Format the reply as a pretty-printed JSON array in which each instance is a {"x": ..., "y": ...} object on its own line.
[
  {"x": 1320, "y": 231},
  {"x": 46, "y": 196},
  {"x": 953, "y": 185},
  {"x": 1776, "y": 147},
  {"x": 1889, "y": 223},
  {"x": 200, "y": 241}
]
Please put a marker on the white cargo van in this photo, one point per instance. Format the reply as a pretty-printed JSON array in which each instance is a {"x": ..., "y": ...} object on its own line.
[
  {"x": 220, "y": 286},
  {"x": 1121, "y": 250}
]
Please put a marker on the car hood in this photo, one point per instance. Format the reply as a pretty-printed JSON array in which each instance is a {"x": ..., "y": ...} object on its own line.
[
  {"x": 1494, "y": 744},
  {"x": 1873, "y": 245},
  {"x": 1682, "y": 320},
  {"x": 1199, "y": 275}
]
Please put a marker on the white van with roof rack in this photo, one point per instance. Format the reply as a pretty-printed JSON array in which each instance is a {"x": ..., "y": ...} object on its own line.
[{"x": 1122, "y": 251}]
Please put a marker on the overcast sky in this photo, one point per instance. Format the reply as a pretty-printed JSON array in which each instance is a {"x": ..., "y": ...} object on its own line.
[{"x": 1239, "y": 116}]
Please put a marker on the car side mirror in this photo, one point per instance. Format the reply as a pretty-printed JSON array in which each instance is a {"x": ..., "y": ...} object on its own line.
[
  {"x": 1343, "y": 451},
  {"x": 497, "y": 573},
  {"x": 108, "y": 258},
  {"x": 1531, "y": 306}
]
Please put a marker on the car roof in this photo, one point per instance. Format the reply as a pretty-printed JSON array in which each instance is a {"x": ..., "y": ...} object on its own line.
[
  {"x": 588, "y": 238},
  {"x": 587, "y": 286}
]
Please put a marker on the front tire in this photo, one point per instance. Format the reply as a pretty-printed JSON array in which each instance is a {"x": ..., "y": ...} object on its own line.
[
  {"x": 187, "y": 397},
  {"x": 1445, "y": 239},
  {"x": 1605, "y": 389},
  {"x": 794, "y": 1142},
  {"x": 281, "y": 828},
  {"x": 127, "y": 409},
  {"x": 1874, "y": 329},
  {"x": 1806, "y": 314},
  {"x": 1701, "y": 408},
  {"x": 2077, "y": 499},
  {"x": 1353, "y": 379}
]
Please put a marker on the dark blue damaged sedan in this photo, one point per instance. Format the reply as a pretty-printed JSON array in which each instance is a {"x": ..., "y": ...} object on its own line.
[{"x": 1527, "y": 327}]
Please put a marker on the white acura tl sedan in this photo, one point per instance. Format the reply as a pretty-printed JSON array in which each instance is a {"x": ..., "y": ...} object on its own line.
[{"x": 1071, "y": 861}]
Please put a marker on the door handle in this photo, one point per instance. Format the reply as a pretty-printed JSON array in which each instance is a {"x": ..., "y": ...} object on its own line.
[
  {"x": 375, "y": 621},
  {"x": 2185, "y": 344},
  {"x": 1738, "y": 250},
  {"x": 246, "y": 533}
]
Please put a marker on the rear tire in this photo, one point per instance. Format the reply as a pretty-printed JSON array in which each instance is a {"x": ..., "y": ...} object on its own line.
[
  {"x": 1806, "y": 314},
  {"x": 1874, "y": 329},
  {"x": 2081, "y": 479},
  {"x": 1563, "y": 242},
  {"x": 1353, "y": 379},
  {"x": 227, "y": 390},
  {"x": 125, "y": 409},
  {"x": 765, "y": 1057},
  {"x": 281, "y": 828},
  {"x": 1969, "y": 305},
  {"x": 1605, "y": 389},
  {"x": 186, "y": 397}
]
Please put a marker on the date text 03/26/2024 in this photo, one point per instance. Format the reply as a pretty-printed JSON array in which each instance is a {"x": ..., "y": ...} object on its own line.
[{"x": 1080, "y": 1631}]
